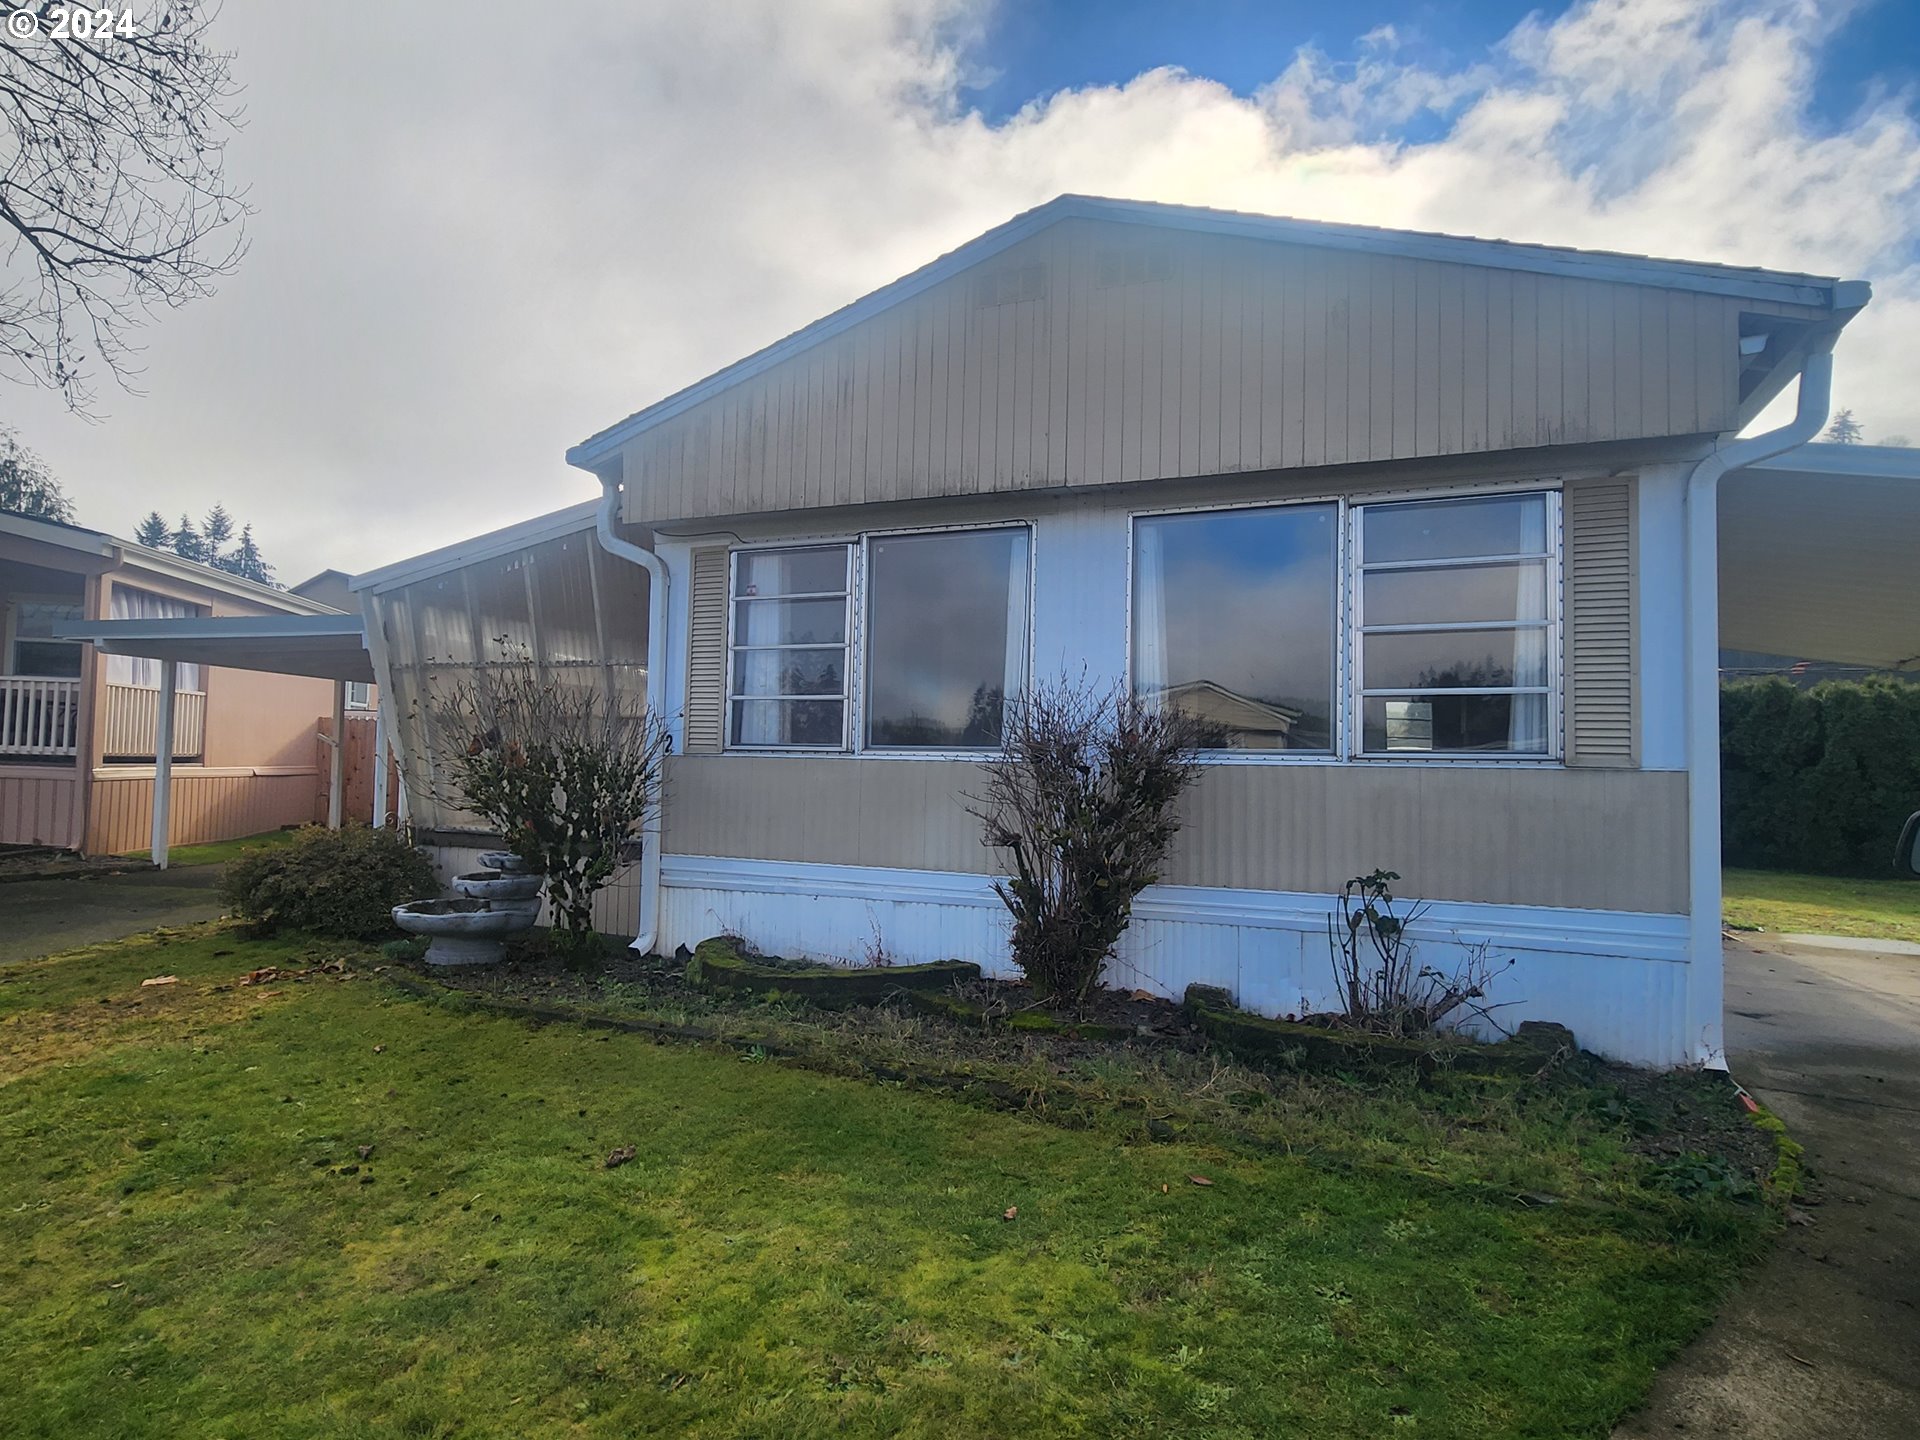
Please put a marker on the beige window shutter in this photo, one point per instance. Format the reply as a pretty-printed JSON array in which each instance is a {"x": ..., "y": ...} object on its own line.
[
  {"x": 1601, "y": 565},
  {"x": 707, "y": 654}
]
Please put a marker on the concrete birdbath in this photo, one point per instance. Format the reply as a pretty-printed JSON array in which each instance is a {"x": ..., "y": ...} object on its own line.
[{"x": 494, "y": 903}]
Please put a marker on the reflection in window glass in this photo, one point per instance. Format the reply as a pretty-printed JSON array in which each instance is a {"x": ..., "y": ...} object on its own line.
[
  {"x": 1456, "y": 657},
  {"x": 1234, "y": 621},
  {"x": 787, "y": 675},
  {"x": 946, "y": 637},
  {"x": 35, "y": 651}
]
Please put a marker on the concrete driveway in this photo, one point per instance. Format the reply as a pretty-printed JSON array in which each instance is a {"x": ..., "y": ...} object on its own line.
[
  {"x": 39, "y": 917},
  {"x": 1824, "y": 1340}
]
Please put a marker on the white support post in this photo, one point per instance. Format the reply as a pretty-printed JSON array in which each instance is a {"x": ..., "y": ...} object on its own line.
[
  {"x": 380, "y": 767},
  {"x": 337, "y": 767},
  {"x": 163, "y": 759}
]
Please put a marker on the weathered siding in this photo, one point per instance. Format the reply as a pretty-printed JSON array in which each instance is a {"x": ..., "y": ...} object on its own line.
[
  {"x": 1097, "y": 354},
  {"x": 40, "y": 805},
  {"x": 219, "y": 804},
  {"x": 1586, "y": 839}
]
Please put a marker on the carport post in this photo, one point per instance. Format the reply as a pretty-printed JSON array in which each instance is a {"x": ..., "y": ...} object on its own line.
[
  {"x": 379, "y": 767},
  {"x": 163, "y": 760},
  {"x": 337, "y": 769}
]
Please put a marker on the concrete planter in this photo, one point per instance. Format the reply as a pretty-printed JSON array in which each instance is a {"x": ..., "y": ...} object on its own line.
[{"x": 466, "y": 931}]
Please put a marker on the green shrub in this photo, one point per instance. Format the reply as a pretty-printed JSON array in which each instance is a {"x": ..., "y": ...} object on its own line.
[
  {"x": 1818, "y": 780},
  {"x": 343, "y": 882}
]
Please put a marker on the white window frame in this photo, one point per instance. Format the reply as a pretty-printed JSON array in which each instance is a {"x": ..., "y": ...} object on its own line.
[
  {"x": 1357, "y": 630},
  {"x": 1337, "y": 718},
  {"x": 847, "y": 546},
  {"x": 854, "y": 720},
  {"x": 359, "y": 695},
  {"x": 14, "y": 638}
]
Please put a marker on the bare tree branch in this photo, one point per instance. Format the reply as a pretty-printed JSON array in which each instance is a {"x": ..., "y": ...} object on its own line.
[{"x": 114, "y": 199}]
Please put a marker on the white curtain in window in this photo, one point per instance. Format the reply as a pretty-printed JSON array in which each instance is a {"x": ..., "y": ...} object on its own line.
[
  {"x": 1527, "y": 724},
  {"x": 131, "y": 604},
  {"x": 1150, "y": 610}
]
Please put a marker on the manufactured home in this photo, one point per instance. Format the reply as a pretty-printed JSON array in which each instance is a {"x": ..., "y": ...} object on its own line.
[
  {"x": 1427, "y": 524},
  {"x": 78, "y": 729}
]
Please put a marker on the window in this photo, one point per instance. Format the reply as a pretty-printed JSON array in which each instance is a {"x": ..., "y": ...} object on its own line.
[
  {"x": 787, "y": 660},
  {"x": 359, "y": 695},
  {"x": 1235, "y": 618},
  {"x": 1456, "y": 603},
  {"x": 946, "y": 637},
  {"x": 131, "y": 604},
  {"x": 35, "y": 651}
]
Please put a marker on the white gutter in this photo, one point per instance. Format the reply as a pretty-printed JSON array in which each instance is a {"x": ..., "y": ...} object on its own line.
[
  {"x": 1705, "y": 990},
  {"x": 650, "y": 830}
]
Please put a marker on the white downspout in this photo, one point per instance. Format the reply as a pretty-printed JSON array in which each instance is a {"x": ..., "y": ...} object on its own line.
[
  {"x": 1705, "y": 991},
  {"x": 650, "y": 830}
]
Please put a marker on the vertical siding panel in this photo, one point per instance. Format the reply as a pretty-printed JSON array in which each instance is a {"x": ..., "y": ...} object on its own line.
[
  {"x": 1154, "y": 443},
  {"x": 1211, "y": 341},
  {"x": 1381, "y": 299},
  {"x": 1233, "y": 273},
  {"x": 1473, "y": 378},
  {"x": 1135, "y": 342},
  {"x": 1313, "y": 356},
  {"x": 1499, "y": 359},
  {"x": 1359, "y": 359},
  {"x": 859, "y": 483},
  {"x": 1080, "y": 358},
  {"x": 1683, "y": 406},
  {"x": 1059, "y": 331},
  {"x": 1656, "y": 415},
  {"x": 1452, "y": 361},
  {"x": 1272, "y": 283},
  {"x": 1293, "y": 360},
  {"x": 1246, "y": 300},
  {"x": 1406, "y": 359},
  {"x": 1601, "y": 309},
  {"x": 1575, "y": 384},
  {"x": 1550, "y": 299},
  {"x": 1526, "y": 359},
  {"x": 1339, "y": 330},
  {"x": 1427, "y": 280},
  {"x": 1627, "y": 372},
  {"x": 972, "y": 399},
  {"x": 1188, "y": 270}
]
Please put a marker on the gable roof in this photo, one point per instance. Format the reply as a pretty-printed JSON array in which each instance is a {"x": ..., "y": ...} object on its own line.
[{"x": 1772, "y": 286}]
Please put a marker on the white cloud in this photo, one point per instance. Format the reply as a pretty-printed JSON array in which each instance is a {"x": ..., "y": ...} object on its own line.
[{"x": 484, "y": 233}]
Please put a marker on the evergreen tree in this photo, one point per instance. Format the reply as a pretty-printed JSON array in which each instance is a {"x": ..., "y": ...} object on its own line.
[
  {"x": 27, "y": 487},
  {"x": 186, "y": 541},
  {"x": 153, "y": 532},
  {"x": 215, "y": 531},
  {"x": 245, "y": 560},
  {"x": 1845, "y": 430}
]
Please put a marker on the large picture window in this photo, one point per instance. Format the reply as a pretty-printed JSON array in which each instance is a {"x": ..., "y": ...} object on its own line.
[
  {"x": 1235, "y": 617},
  {"x": 946, "y": 637},
  {"x": 787, "y": 665},
  {"x": 1456, "y": 603}
]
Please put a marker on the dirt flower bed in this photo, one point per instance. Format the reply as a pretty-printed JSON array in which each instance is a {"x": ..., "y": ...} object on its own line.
[{"x": 1144, "y": 1057}]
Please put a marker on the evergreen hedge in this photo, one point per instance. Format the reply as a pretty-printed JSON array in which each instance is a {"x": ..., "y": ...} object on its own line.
[{"x": 1818, "y": 780}]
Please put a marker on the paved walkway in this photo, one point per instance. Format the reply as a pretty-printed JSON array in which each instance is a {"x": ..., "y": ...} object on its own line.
[
  {"x": 1824, "y": 1340},
  {"x": 39, "y": 917}
]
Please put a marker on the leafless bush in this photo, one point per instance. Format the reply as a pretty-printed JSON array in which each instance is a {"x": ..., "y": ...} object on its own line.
[
  {"x": 1081, "y": 800},
  {"x": 1384, "y": 989},
  {"x": 569, "y": 772}
]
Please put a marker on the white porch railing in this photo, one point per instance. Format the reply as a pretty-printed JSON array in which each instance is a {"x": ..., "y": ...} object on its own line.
[
  {"x": 39, "y": 716},
  {"x": 131, "y": 713}
]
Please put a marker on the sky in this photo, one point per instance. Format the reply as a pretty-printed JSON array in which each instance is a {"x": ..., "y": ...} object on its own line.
[{"x": 483, "y": 231}]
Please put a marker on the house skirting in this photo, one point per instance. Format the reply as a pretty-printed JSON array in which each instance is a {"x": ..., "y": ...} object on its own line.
[{"x": 1619, "y": 978}]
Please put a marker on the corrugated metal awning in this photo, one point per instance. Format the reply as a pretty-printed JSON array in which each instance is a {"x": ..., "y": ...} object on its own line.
[
  {"x": 1820, "y": 556},
  {"x": 328, "y": 647}
]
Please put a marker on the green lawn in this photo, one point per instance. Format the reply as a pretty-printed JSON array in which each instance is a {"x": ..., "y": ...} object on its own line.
[
  {"x": 1779, "y": 902},
  {"x": 217, "y": 852},
  {"x": 191, "y": 1244}
]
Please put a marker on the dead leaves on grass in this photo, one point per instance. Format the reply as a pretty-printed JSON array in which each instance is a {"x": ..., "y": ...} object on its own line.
[{"x": 619, "y": 1156}]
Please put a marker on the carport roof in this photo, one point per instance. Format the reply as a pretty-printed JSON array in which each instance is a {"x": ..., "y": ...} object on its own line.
[
  {"x": 329, "y": 647},
  {"x": 1820, "y": 556}
]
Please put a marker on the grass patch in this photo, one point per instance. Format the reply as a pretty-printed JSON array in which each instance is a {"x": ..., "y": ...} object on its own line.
[
  {"x": 1784, "y": 903},
  {"x": 218, "y": 852},
  {"x": 192, "y": 1242}
]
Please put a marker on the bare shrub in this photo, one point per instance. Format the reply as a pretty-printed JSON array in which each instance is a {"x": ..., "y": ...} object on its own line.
[
  {"x": 569, "y": 773},
  {"x": 1384, "y": 989},
  {"x": 1080, "y": 798}
]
